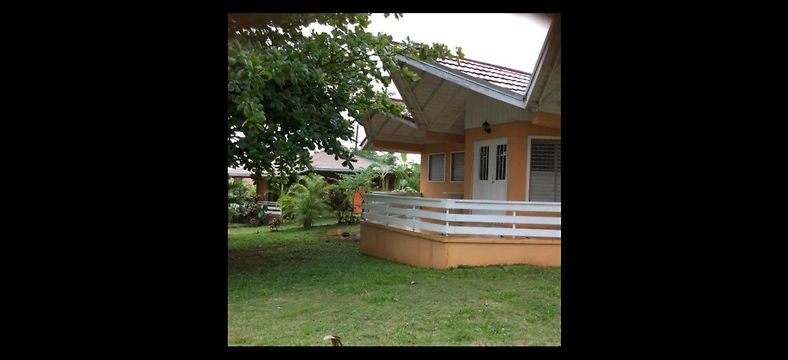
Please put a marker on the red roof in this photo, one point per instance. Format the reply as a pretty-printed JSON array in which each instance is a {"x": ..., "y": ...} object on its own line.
[{"x": 510, "y": 79}]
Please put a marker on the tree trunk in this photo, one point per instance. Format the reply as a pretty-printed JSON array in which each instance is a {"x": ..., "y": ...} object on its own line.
[{"x": 307, "y": 223}]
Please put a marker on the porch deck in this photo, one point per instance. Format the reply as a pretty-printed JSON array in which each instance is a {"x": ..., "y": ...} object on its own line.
[{"x": 441, "y": 233}]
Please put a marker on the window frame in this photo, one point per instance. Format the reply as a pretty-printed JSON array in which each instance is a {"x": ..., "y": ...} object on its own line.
[
  {"x": 451, "y": 167},
  {"x": 528, "y": 162},
  {"x": 429, "y": 167}
]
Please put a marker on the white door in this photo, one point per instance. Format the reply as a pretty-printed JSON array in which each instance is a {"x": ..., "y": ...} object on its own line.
[{"x": 489, "y": 169}]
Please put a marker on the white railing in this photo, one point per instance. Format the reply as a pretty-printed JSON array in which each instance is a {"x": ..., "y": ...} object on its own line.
[
  {"x": 273, "y": 207},
  {"x": 454, "y": 216}
]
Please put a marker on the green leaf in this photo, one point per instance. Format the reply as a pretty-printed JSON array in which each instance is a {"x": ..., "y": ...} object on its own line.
[
  {"x": 267, "y": 75},
  {"x": 315, "y": 79}
]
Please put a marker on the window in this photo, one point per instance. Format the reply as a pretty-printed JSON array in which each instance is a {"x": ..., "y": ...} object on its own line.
[
  {"x": 545, "y": 177},
  {"x": 458, "y": 166},
  {"x": 484, "y": 153},
  {"x": 437, "y": 167},
  {"x": 500, "y": 162}
]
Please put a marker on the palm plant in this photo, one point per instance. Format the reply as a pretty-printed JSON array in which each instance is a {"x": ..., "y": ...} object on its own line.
[
  {"x": 407, "y": 176},
  {"x": 306, "y": 200}
]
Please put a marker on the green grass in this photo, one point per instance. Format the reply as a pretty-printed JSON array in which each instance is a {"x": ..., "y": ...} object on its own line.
[{"x": 292, "y": 288}]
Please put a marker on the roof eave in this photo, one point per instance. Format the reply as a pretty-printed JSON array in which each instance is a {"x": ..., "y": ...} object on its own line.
[{"x": 546, "y": 47}]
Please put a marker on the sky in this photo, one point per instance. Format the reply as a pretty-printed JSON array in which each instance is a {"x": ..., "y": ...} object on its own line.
[{"x": 510, "y": 40}]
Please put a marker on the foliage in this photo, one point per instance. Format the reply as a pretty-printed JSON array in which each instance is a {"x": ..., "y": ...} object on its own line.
[
  {"x": 341, "y": 196},
  {"x": 388, "y": 158},
  {"x": 238, "y": 191},
  {"x": 407, "y": 176},
  {"x": 414, "y": 179},
  {"x": 361, "y": 180},
  {"x": 274, "y": 223},
  {"x": 406, "y": 189},
  {"x": 340, "y": 202},
  {"x": 307, "y": 199},
  {"x": 242, "y": 205},
  {"x": 290, "y": 92},
  {"x": 349, "y": 218},
  {"x": 231, "y": 213}
]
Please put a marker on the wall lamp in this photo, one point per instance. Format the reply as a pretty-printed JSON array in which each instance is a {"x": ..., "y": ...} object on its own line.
[{"x": 486, "y": 127}]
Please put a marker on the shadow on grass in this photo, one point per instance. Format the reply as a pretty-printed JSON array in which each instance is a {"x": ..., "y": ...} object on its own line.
[{"x": 264, "y": 250}]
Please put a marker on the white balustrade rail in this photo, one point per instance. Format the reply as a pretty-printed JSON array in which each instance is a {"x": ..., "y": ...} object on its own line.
[
  {"x": 454, "y": 216},
  {"x": 272, "y": 207}
]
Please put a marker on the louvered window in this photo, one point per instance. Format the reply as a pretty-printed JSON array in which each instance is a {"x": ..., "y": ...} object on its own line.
[
  {"x": 437, "y": 167},
  {"x": 458, "y": 166},
  {"x": 545, "y": 177},
  {"x": 484, "y": 154}
]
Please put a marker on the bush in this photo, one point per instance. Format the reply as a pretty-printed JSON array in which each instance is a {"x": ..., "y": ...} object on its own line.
[
  {"x": 406, "y": 189},
  {"x": 307, "y": 200},
  {"x": 242, "y": 205},
  {"x": 231, "y": 212},
  {"x": 346, "y": 187},
  {"x": 340, "y": 202}
]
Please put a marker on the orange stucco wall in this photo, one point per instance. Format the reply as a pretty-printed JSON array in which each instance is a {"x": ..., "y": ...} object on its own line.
[
  {"x": 516, "y": 134},
  {"x": 438, "y": 251},
  {"x": 517, "y": 140}
]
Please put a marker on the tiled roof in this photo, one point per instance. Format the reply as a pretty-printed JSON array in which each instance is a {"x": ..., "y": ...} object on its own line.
[
  {"x": 514, "y": 80},
  {"x": 321, "y": 161}
]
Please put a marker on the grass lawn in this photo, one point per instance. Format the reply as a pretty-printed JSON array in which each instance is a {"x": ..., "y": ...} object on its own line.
[{"x": 292, "y": 288}]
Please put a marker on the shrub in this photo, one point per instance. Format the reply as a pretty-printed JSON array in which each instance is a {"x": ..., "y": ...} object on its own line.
[
  {"x": 307, "y": 200},
  {"x": 242, "y": 205}
]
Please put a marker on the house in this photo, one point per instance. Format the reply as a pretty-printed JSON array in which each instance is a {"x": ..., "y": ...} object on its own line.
[
  {"x": 490, "y": 144},
  {"x": 322, "y": 164},
  {"x": 234, "y": 174},
  {"x": 331, "y": 168}
]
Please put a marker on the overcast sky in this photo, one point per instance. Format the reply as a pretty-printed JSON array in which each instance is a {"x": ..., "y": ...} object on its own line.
[{"x": 510, "y": 40}]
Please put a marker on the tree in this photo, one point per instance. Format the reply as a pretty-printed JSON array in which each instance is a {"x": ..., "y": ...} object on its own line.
[
  {"x": 306, "y": 200},
  {"x": 289, "y": 93}
]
